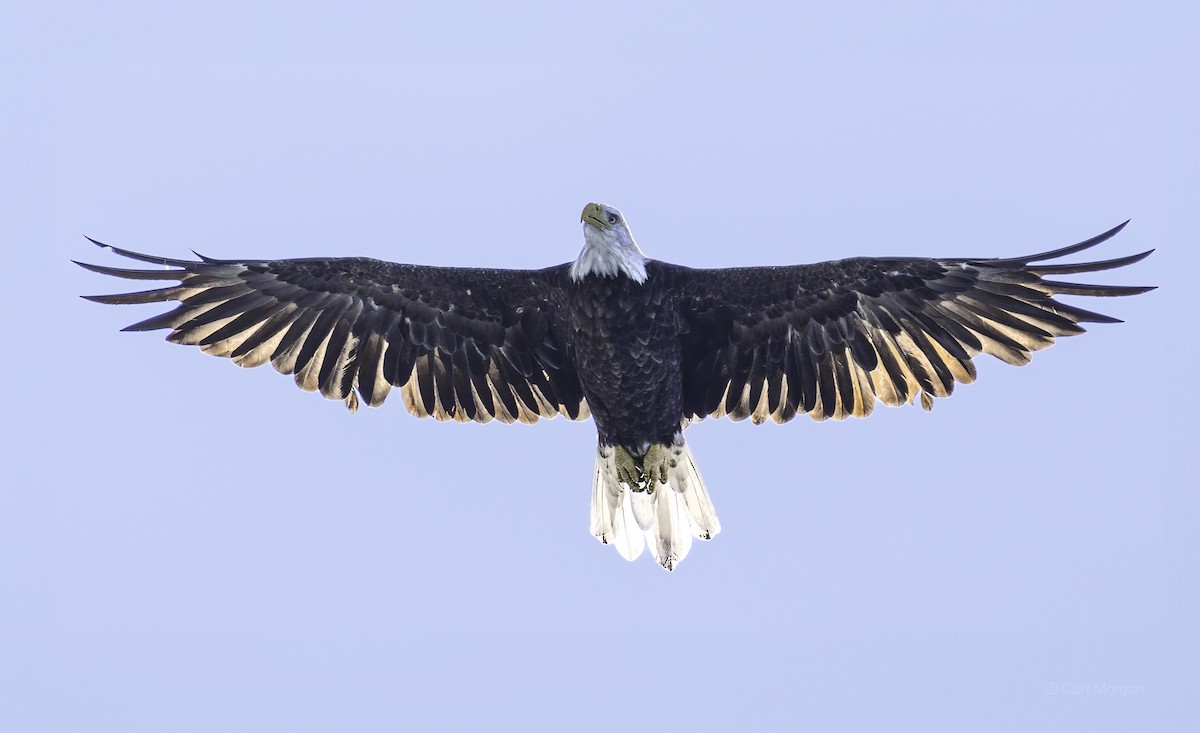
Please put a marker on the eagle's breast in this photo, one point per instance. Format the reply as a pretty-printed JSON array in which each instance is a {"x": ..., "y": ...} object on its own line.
[{"x": 626, "y": 340}]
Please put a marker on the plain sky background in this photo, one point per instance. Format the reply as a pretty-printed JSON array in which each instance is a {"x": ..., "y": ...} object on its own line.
[{"x": 187, "y": 546}]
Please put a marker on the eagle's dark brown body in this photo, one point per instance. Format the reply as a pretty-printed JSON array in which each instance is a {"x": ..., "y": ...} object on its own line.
[{"x": 626, "y": 340}]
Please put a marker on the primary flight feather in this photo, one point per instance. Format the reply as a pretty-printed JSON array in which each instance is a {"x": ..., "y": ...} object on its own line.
[{"x": 643, "y": 347}]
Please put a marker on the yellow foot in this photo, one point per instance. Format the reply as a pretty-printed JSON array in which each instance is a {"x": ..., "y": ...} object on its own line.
[
  {"x": 656, "y": 465},
  {"x": 627, "y": 468},
  {"x": 647, "y": 473}
]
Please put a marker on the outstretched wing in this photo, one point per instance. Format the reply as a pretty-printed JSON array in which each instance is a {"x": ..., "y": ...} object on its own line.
[
  {"x": 828, "y": 339},
  {"x": 464, "y": 344}
]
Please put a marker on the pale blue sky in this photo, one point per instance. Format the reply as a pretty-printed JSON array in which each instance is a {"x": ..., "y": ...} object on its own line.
[{"x": 187, "y": 546}]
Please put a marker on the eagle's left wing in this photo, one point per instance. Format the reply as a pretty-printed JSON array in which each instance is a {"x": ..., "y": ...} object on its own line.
[
  {"x": 465, "y": 344},
  {"x": 829, "y": 338}
]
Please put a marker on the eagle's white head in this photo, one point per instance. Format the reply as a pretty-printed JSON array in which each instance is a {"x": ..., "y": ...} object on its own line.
[{"x": 608, "y": 246}]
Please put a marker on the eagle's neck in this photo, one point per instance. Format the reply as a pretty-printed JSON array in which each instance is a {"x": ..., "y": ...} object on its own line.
[{"x": 609, "y": 254}]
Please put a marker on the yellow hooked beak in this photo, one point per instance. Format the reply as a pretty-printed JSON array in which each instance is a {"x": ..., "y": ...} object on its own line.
[{"x": 594, "y": 214}]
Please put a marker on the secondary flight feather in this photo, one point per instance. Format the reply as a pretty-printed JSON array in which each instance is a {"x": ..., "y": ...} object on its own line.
[{"x": 642, "y": 347}]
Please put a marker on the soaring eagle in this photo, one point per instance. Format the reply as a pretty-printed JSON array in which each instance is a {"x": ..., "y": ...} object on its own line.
[{"x": 643, "y": 347}]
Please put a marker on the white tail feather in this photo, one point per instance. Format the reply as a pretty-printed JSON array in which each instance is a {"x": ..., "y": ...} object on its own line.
[
  {"x": 629, "y": 535},
  {"x": 667, "y": 517},
  {"x": 671, "y": 535},
  {"x": 643, "y": 503},
  {"x": 685, "y": 479}
]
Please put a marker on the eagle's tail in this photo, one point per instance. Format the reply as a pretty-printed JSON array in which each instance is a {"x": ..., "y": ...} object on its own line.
[{"x": 667, "y": 516}]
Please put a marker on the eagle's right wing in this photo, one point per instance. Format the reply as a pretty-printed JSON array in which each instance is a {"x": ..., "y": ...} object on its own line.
[
  {"x": 830, "y": 338},
  {"x": 464, "y": 344}
]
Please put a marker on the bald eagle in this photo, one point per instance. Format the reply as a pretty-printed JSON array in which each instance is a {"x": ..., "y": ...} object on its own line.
[{"x": 643, "y": 347}]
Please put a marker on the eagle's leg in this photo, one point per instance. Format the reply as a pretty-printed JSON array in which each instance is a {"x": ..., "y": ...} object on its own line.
[
  {"x": 627, "y": 467},
  {"x": 656, "y": 465},
  {"x": 644, "y": 474}
]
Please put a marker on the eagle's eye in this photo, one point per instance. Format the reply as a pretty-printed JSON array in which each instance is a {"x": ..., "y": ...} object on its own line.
[{"x": 613, "y": 218}]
